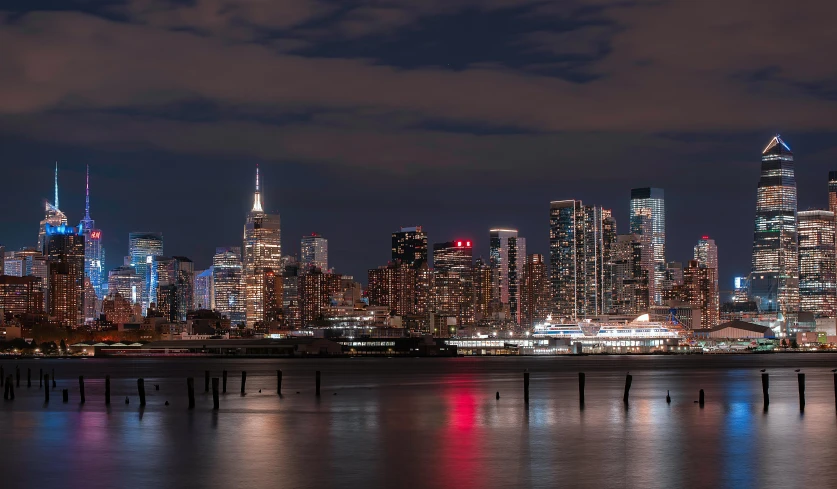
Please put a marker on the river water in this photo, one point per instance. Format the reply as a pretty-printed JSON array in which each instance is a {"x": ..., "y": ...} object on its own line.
[{"x": 403, "y": 423}]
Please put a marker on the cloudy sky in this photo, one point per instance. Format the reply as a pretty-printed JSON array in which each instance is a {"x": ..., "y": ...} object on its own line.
[{"x": 364, "y": 116}]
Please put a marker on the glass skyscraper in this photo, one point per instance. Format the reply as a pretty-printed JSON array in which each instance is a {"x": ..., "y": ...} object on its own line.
[
  {"x": 580, "y": 243},
  {"x": 648, "y": 220},
  {"x": 262, "y": 252},
  {"x": 314, "y": 252},
  {"x": 53, "y": 216},
  {"x": 774, "y": 279},
  {"x": 228, "y": 284},
  {"x": 143, "y": 248},
  {"x": 507, "y": 256},
  {"x": 409, "y": 246},
  {"x": 64, "y": 249},
  {"x": 94, "y": 252},
  {"x": 817, "y": 263}
]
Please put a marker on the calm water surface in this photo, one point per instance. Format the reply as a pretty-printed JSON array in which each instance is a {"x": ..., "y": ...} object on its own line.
[{"x": 383, "y": 423}]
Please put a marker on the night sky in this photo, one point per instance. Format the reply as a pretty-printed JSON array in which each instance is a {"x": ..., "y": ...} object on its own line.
[{"x": 457, "y": 115}]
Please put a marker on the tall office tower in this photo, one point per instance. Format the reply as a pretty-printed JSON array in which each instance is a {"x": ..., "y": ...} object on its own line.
[
  {"x": 64, "y": 246},
  {"x": 699, "y": 290},
  {"x": 262, "y": 252},
  {"x": 580, "y": 241},
  {"x": 228, "y": 284},
  {"x": 507, "y": 255},
  {"x": 94, "y": 252},
  {"x": 54, "y": 217},
  {"x": 774, "y": 278},
  {"x": 453, "y": 290},
  {"x": 314, "y": 252},
  {"x": 204, "y": 295},
  {"x": 409, "y": 246},
  {"x": 832, "y": 191},
  {"x": 273, "y": 297},
  {"x": 630, "y": 278},
  {"x": 290, "y": 294},
  {"x": 535, "y": 291},
  {"x": 706, "y": 253},
  {"x": 90, "y": 301},
  {"x": 648, "y": 220},
  {"x": 13, "y": 266},
  {"x": 143, "y": 248},
  {"x": 423, "y": 290},
  {"x": 21, "y": 295},
  {"x": 393, "y": 286},
  {"x": 482, "y": 289},
  {"x": 126, "y": 282},
  {"x": 817, "y": 263},
  {"x": 315, "y": 292},
  {"x": 175, "y": 276}
]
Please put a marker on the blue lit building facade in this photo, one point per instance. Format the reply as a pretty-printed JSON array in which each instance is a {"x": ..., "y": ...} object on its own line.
[
  {"x": 94, "y": 252},
  {"x": 143, "y": 248},
  {"x": 64, "y": 249}
]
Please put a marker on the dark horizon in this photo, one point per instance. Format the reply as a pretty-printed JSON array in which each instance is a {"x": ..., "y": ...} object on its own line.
[{"x": 457, "y": 116}]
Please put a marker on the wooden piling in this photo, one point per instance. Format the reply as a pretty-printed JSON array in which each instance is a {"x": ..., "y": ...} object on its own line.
[
  {"x": 65, "y": 395},
  {"x": 190, "y": 388},
  {"x": 317, "y": 380},
  {"x": 581, "y": 382},
  {"x": 107, "y": 390},
  {"x": 800, "y": 378},
  {"x": 668, "y": 397},
  {"x": 206, "y": 381},
  {"x": 215, "y": 402},
  {"x": 628, "y": 380},
  {"x": 243, "y": 381},
  {"x": 81, "y": 388},
  {"x": 765, "y": 389},
  {"x": 141, "y": 389},
  {"x": 526, "y": 386},
  {"x": 279, "y": 382},
  {"x": 700, "y": 398},
  {"x": 225, "y": 382},
  {"x": 46, "y": 391}
]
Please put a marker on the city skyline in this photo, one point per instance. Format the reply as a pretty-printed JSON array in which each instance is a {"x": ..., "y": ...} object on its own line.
[{"x": 727, "y": 272}]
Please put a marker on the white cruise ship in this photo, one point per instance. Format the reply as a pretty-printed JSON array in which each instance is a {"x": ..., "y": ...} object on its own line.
[{"x": 639, "y": 329}]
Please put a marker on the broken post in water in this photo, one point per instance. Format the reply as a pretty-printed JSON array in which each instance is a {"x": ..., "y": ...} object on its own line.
[
  {"x": 243, "y": 381},
  {"x": 318, "y": 382},
  {"x": 581, "y": 381},
  {"x": 224, "y": 382},
  {"x": 765, "y": 387},
  {"x": 279, "y": 382},
  {"x": 107, "y": 390},
  {"x": 700, "y": 398},
  {"x": 628, "y": 380},
  {"x": 81, "y": 388},
  {"x": 215, "y": 402},
  {"x": 190, "y": 388},
  {"x": 800, "y": 378},
  {"x": 141, "y": 389},
  {"x": 526, "y": 386}
]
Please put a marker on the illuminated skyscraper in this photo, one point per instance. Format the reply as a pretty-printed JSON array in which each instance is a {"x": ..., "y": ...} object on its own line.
[
  {"x": 648, "y": 220},
  {"x": 409, "y": 246},
  {"x": 262, "y": 252},
  {"x": 143, "y": 248},
  {"x": 482, "y": 289},
  {"x": 314, "y": 252},
  {"x": 126, "y": 282},
  {"x": 94, "y": 252},
  {"x": 706, "y": 253},
  {"x": 535, "y": 291},
  {"x": 817, "y": 263},
  {"x": 21, "y": 295},
  {"x": 393, "y": 286},
  {"x": 315, "y": 292},
  {"x": 204, "y": 296},
  {"x": 774, "y": 279},
  {"x": 507, "y": 254},
  {"x": 177, "y": 276},
  {"x": 453, "y": 289},
  {"x": 64, "y": 248},
  {"x": 630, "y": 278},
  {"x": 54, "y": 217},
  {"x": 699, "y": 291},
  {"x": 228, "y": 284},
  {"x": 580, "y": 241},
  {"x": 832, "y": 192}
]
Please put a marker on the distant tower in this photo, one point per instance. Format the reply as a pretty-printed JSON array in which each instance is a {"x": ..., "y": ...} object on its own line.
[
  {"x": 143, "y": 248},
  {"x": 262, "y": 253},
  {"x": 65, "y": 256},
  {"x": 53, "y": 216},
  {"x": 228, "y": 284},
  {"x": 706, "y": 253},
  {"x": 507, "y": 255},
  {"x": 94, "y": 252},
  {"x": 409, "y": 246},
  {"x": 314, "y": 252},
  {"x": 832, "y": 192},
  {"x": 774, "y": 279},
  {"x": 648, "y": 220},
  {"x": 817, "y": 263}
]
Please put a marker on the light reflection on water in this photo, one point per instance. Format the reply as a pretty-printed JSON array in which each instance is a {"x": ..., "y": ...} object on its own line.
[{"x": 429, "y": 423}]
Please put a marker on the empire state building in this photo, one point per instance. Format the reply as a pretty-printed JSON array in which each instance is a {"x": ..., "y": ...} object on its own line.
[{"x": 262, "y": 252}]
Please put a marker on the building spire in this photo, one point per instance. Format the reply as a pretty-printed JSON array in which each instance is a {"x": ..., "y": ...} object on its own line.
[
  {"x": 56, "y": 185},
  {"x": 87, "y": 196},
  {"x": 257, "y": 198}
]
